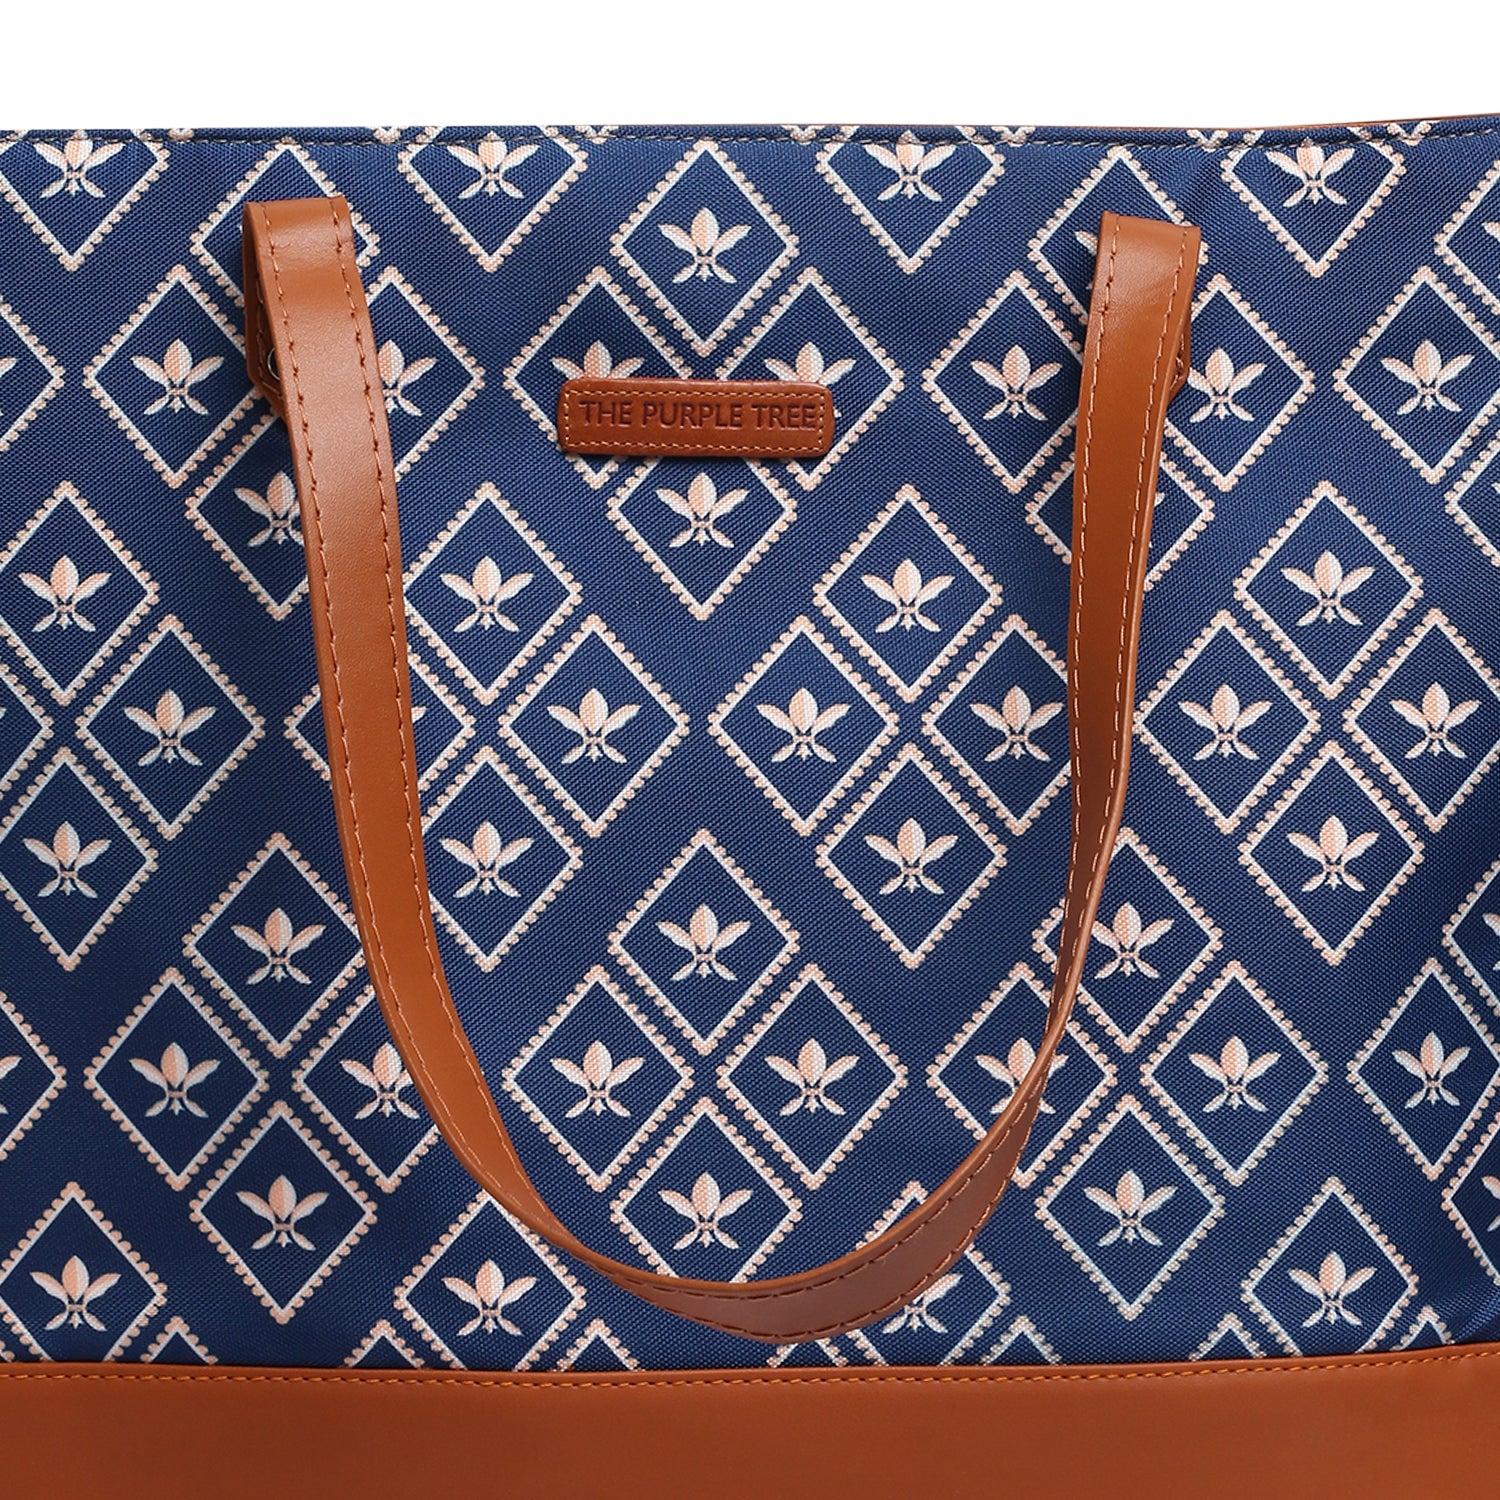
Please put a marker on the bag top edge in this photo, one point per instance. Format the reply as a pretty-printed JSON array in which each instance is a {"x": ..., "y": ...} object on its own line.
[{"x": 1206, "y": 138}]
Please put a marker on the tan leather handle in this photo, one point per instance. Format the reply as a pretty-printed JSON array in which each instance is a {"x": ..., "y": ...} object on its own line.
[{"x": 312, "y": 350}]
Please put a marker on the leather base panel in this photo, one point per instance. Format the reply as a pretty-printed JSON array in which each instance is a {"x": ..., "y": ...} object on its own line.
[{"x": 1417, "y": 1424}]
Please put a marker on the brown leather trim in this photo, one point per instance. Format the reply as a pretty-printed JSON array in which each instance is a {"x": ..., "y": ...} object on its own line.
[
  {"x": 1413, "y": 1426},
  {"x": 303, "y": 294},
  {"x": 702, "y": 418}
]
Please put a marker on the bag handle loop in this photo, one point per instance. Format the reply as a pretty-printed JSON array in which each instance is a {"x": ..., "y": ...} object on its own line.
[{"x": 312, "y": 351}]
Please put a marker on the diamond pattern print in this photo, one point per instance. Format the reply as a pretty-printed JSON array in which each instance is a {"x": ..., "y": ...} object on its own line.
[
  {"x": 1008, "y": 382},
  {"x": 1468, "y": 241},
  {"x": 702, "y": 534},
  {"x": 1333, "y": 1284},
  {"x": 704, "y": 942},
  {"x": 797, "y": 1077},
  {"x": 174, "y": 377},
  {"x": 175, "y": 1079},
  {"x": 490, "y": 1288},
  {"x": 704, "y": 245},
  {"x": 1234, "y": 1073},
  {"x": 911, "y": 196},
  {"x": 493, "y": 192},
  {"x": 1473, "y": 935},
  {"x": 247, "y": 509},
  {"x": 1011, "y": 745},
  {"x": 1312, "y": 199},
  {"x": 1130, "y": 1207},
  {"x": 598, "y": 1078},
  {"x": 1329, "y": 588},
  {"x": 598, "y": 332},
  {"x": 803, "y": 724},
  {"x": 29, "y": 376},
  {"x": 1431, "y": 719},
  {"x": 706, "y": 1204},
  {"x": 74, "y": 1288},
  {"x": 1331, "y": 852},
  {"x": 1429, "y": 1070},
  {"x": 1226, "y": 722},
  {"x": 1151, "y": 940},
  {"x": 503, "y": 858},
  {"x": 908, "y": 594},
  {"x": 980, "y": 1069},
  {"x": 594, "y": 725},
  {"x": 169, "y": 727},
  {"x": 356, "y": 1084},
  {"x": 70, "y": 858},
  {"x": 1426, "y": 376},
  {"x": 73, "y": 192},
  {"x": 654, "y": 932},
  {"x": 69, "y": 592},
  {"x": 427, "y": 376},
  {"x": 278, "y": 945},
  {"x": 811, "y": 335},
  {"x": 488, "y": 593},
  {"x": 1244, "y": 388},
  {"x": 911, "y": 838},
  {"x": 282, "y": 1212},
  {"x": 1067, "y": 246}
]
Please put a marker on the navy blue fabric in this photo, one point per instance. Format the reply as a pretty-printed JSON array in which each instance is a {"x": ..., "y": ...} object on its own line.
[{"x": 747, "y": 783}]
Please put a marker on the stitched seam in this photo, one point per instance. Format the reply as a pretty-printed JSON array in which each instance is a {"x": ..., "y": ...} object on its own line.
[
  {"x": 1325, "y": 134},
  {"x": 461, "y": 1380}
]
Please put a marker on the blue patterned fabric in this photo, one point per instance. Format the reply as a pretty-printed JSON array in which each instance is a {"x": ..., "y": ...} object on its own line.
[{"x": 746, "y": 782}]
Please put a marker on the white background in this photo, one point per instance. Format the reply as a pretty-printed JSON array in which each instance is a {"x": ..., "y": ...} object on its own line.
[{"x": 1050, "y": 62}]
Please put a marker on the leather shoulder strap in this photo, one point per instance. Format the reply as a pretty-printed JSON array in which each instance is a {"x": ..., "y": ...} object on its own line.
[{"x": 312, "y": 350}]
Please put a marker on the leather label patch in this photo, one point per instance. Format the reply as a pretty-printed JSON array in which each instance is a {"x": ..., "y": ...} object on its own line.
[{"x": 712, "y": 418}]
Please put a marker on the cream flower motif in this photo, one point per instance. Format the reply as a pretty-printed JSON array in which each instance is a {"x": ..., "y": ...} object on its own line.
[
  {"x": 67, "y": 856},
  {"x": 1234, "y": 1070},
  {"x": 593, "y": 723},
  {"x": 1312, "y": 166},
  {"x": 386, "y": 1078},
  {"x": 489, "y": 1295},
  {"x": 1427, "y": 374},
  {"x": 1226, "y": 719},
  {"x": 1129, "y": 1204},
  {"x": 485, "y": 855},
  {"x": 63, "y": 590},
  {"x": 812, "y": 1075},
  {"x": 913, "y": 854},
  {"x": 485, "y": 590},
  {"x": 1330, "y": 587},
  {"x": 1223, "y": 384},
  {"x": 598, "y": 1075},
  {"x": 1018, "y": 1062},
  {"x": 598, "y": 364},
  {"x": 703, "y": 508},
  {"x": 493, "y": 161},
  {"x": 397, "y": 377},
  {"x": 76, "y": 1290},
  {"x": 75, "y": 160},
  {"x": 704, "y": 242},
  {"x": 1016, "y": 381},
  {"x": 804, "y": 721},
  {"x": 1432, "y": 1067},
  {"x": 706, "y": 1209},
  {"x": 177, "y": 373},
  {"x": 279, "y": 942},
  {"x": 1436, "y": 717},
  {"x": 277, "y": 508},
  {"x": 283, "y": 1210},
  {"x": 908, "y": 593},
  {"x": 1128, "y": 938},
  {"x": 1333, "y": 850},
  {"x": 1333, "y": 1283},
  {"x": 175, "y": 1077},
  {"x": 169, "y": 725},
  {"x": 1016, "y": 720},
  {"x": 705, "y": 941},
  {"x": 911, "y": 161}
]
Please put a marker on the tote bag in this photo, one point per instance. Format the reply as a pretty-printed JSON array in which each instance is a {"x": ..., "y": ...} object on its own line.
[{"x": 800, "y": 810}]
